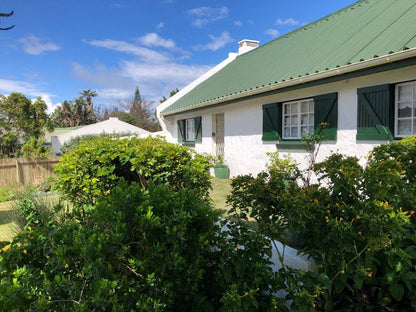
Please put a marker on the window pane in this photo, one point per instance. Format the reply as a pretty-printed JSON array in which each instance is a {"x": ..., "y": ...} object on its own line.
[
  {"x": 294, "y": 121},
  {"x": 286, "y": 132},
  {"x": 311, "y": 106},
  {"x": 294, "y": 132},
  {"x": 404, "y": 127},
  {"x": 311, "y": 119},
  {"x": 287, "y": 109},
  {"x": 294, "y": 108},
  {"x": 189, "y": 130},
  {"x": 405, "y": 110},
  {"x": 311, "y": 130},
  {"x": 405, "y": 93},
  {"x": 297, "y": 118},
  {"x": 305, "y": 119},
  {"x": 287, "y": 121}
]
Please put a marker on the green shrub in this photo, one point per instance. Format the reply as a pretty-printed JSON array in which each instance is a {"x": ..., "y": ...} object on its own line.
[
  {"x": 74, "y": 142},
  {"x": 94, "y": 167},
  {"x": 259, "y": 197},
  {"x": 152, "y": 249},
  {"x": 358, "y": 224}
]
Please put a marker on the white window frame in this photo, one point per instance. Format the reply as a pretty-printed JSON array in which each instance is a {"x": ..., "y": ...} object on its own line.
[
  {"x": 189, "y": 130},
  {"x": 412, "y": 118},
  {"x": 298, "y": 115}
]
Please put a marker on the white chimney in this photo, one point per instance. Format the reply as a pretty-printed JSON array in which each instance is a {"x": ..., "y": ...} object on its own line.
[{"x": 246, "y": 45}]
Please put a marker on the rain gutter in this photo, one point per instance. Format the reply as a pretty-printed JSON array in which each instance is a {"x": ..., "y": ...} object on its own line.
[{"x": 376, "y": 61}]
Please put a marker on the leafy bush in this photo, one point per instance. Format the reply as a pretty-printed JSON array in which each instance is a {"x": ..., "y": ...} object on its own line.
[
  {"x": 358, "y": 224},
  {"x": 259, "y": 197},
  {"x": 94, "y": 167},
  {"x": 152, "y": 249},
  {"x": 34, "y": 148},
  {"x": 74, "y": 142}
]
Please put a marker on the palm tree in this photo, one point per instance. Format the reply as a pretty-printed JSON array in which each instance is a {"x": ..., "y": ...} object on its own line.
[{"x": 87, "y": 95}]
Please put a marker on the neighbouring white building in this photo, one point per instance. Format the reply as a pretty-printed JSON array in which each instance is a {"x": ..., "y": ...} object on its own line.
[
  {"x": 354, "y": 70},
  {"x": 111, "y": 126}
]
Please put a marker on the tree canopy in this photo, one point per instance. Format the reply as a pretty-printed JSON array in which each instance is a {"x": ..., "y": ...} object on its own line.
[
  {"x": 77, "y": 112},
  {"x": 171, "y": 93},
  {"x": 22, "y": 122},
  {"x": 139, "y": 112}
]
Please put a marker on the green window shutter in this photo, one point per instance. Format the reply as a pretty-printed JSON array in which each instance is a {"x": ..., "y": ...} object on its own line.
[
  {"x": 375, "y": 113},
  {"x": 326, "y": 111},
  {"x": 198, "y": 129},
  {"x": 181, "y": 130},
  {"x": 272, "y": 122}
]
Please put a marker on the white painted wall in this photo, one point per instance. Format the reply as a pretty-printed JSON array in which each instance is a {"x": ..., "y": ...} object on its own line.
[
  {"x": 245, "y": 152},
  {"x": 167, "y": 124},
  {"x": 111, "y": 126}
]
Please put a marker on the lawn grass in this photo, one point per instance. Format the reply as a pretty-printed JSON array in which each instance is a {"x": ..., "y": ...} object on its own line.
[
  {"x": 220, "y": 189},
  {"x": 11, "y": 221}
]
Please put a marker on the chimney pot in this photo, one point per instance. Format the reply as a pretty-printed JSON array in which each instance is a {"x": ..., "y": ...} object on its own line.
[{"x": 246, "y": 45}]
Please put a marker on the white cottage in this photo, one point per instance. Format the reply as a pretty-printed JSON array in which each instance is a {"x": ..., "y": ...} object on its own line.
[
  {"x": 354, "y": 70},
  {"x": 110, "y": 126}
]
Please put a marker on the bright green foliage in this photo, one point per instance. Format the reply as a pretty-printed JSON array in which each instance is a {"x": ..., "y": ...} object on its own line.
[
  {"x": 138, "y": 250},
  {"x": 94, "y": 167},
  {"x": 35, "y": 148},
  {"x": 74, "y": 142},
  {"x": 259, "y": 197},
  {"x": 22, "y": 121},
  {"x": 357, "y": 224},
  {"x": 7, "y": 193}
]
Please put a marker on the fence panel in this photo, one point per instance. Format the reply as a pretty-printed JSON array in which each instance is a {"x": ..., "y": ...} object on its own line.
[{"x": 26, "y": 170}]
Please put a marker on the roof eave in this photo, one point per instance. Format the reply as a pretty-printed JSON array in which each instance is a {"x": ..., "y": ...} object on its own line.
[{"x": 376, "y": 61}]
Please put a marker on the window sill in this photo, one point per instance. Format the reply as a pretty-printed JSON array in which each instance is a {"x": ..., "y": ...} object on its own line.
[
  {"x": 299, "y": 145},
  {"x": 190, "y": 144}
]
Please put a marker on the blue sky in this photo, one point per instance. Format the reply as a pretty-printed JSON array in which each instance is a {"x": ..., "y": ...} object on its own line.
[{"x": 59, "y": 48}]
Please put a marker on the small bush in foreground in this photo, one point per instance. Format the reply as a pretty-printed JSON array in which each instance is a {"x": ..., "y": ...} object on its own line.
[
  {"x": 94, "y": 167},
  {"x": 152, "y": 249},
  {"x": 358, "y": 224}
]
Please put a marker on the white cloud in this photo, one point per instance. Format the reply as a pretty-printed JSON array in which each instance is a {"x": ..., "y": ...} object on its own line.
[
  {"x": 33, "y": 45},
  {"x": 154, "y": 72},
  {"x": 205, "y": 15},
  {"x": 154, "y": 40},
  {"x": 119, "y": 83},
  {"x": 272, "y": 32},
  {"x": 216, "y": 42},
  {"x": 238, "y": 23},
  {"x": 288, "y": 21},
  {"x": 114, "y": 93},
  {"x": 160, "y": 25},
  {"x": 179, "y": 73},
  {"x": 146, "y": 54},
  {"x": 28, "y": 89}
]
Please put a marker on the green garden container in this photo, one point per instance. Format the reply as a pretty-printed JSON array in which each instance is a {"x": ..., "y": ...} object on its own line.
[{"x": 221, "y": 172}]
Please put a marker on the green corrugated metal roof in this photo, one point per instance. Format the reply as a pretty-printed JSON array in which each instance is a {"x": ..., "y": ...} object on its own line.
[{"x": 361, "y": 31}]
